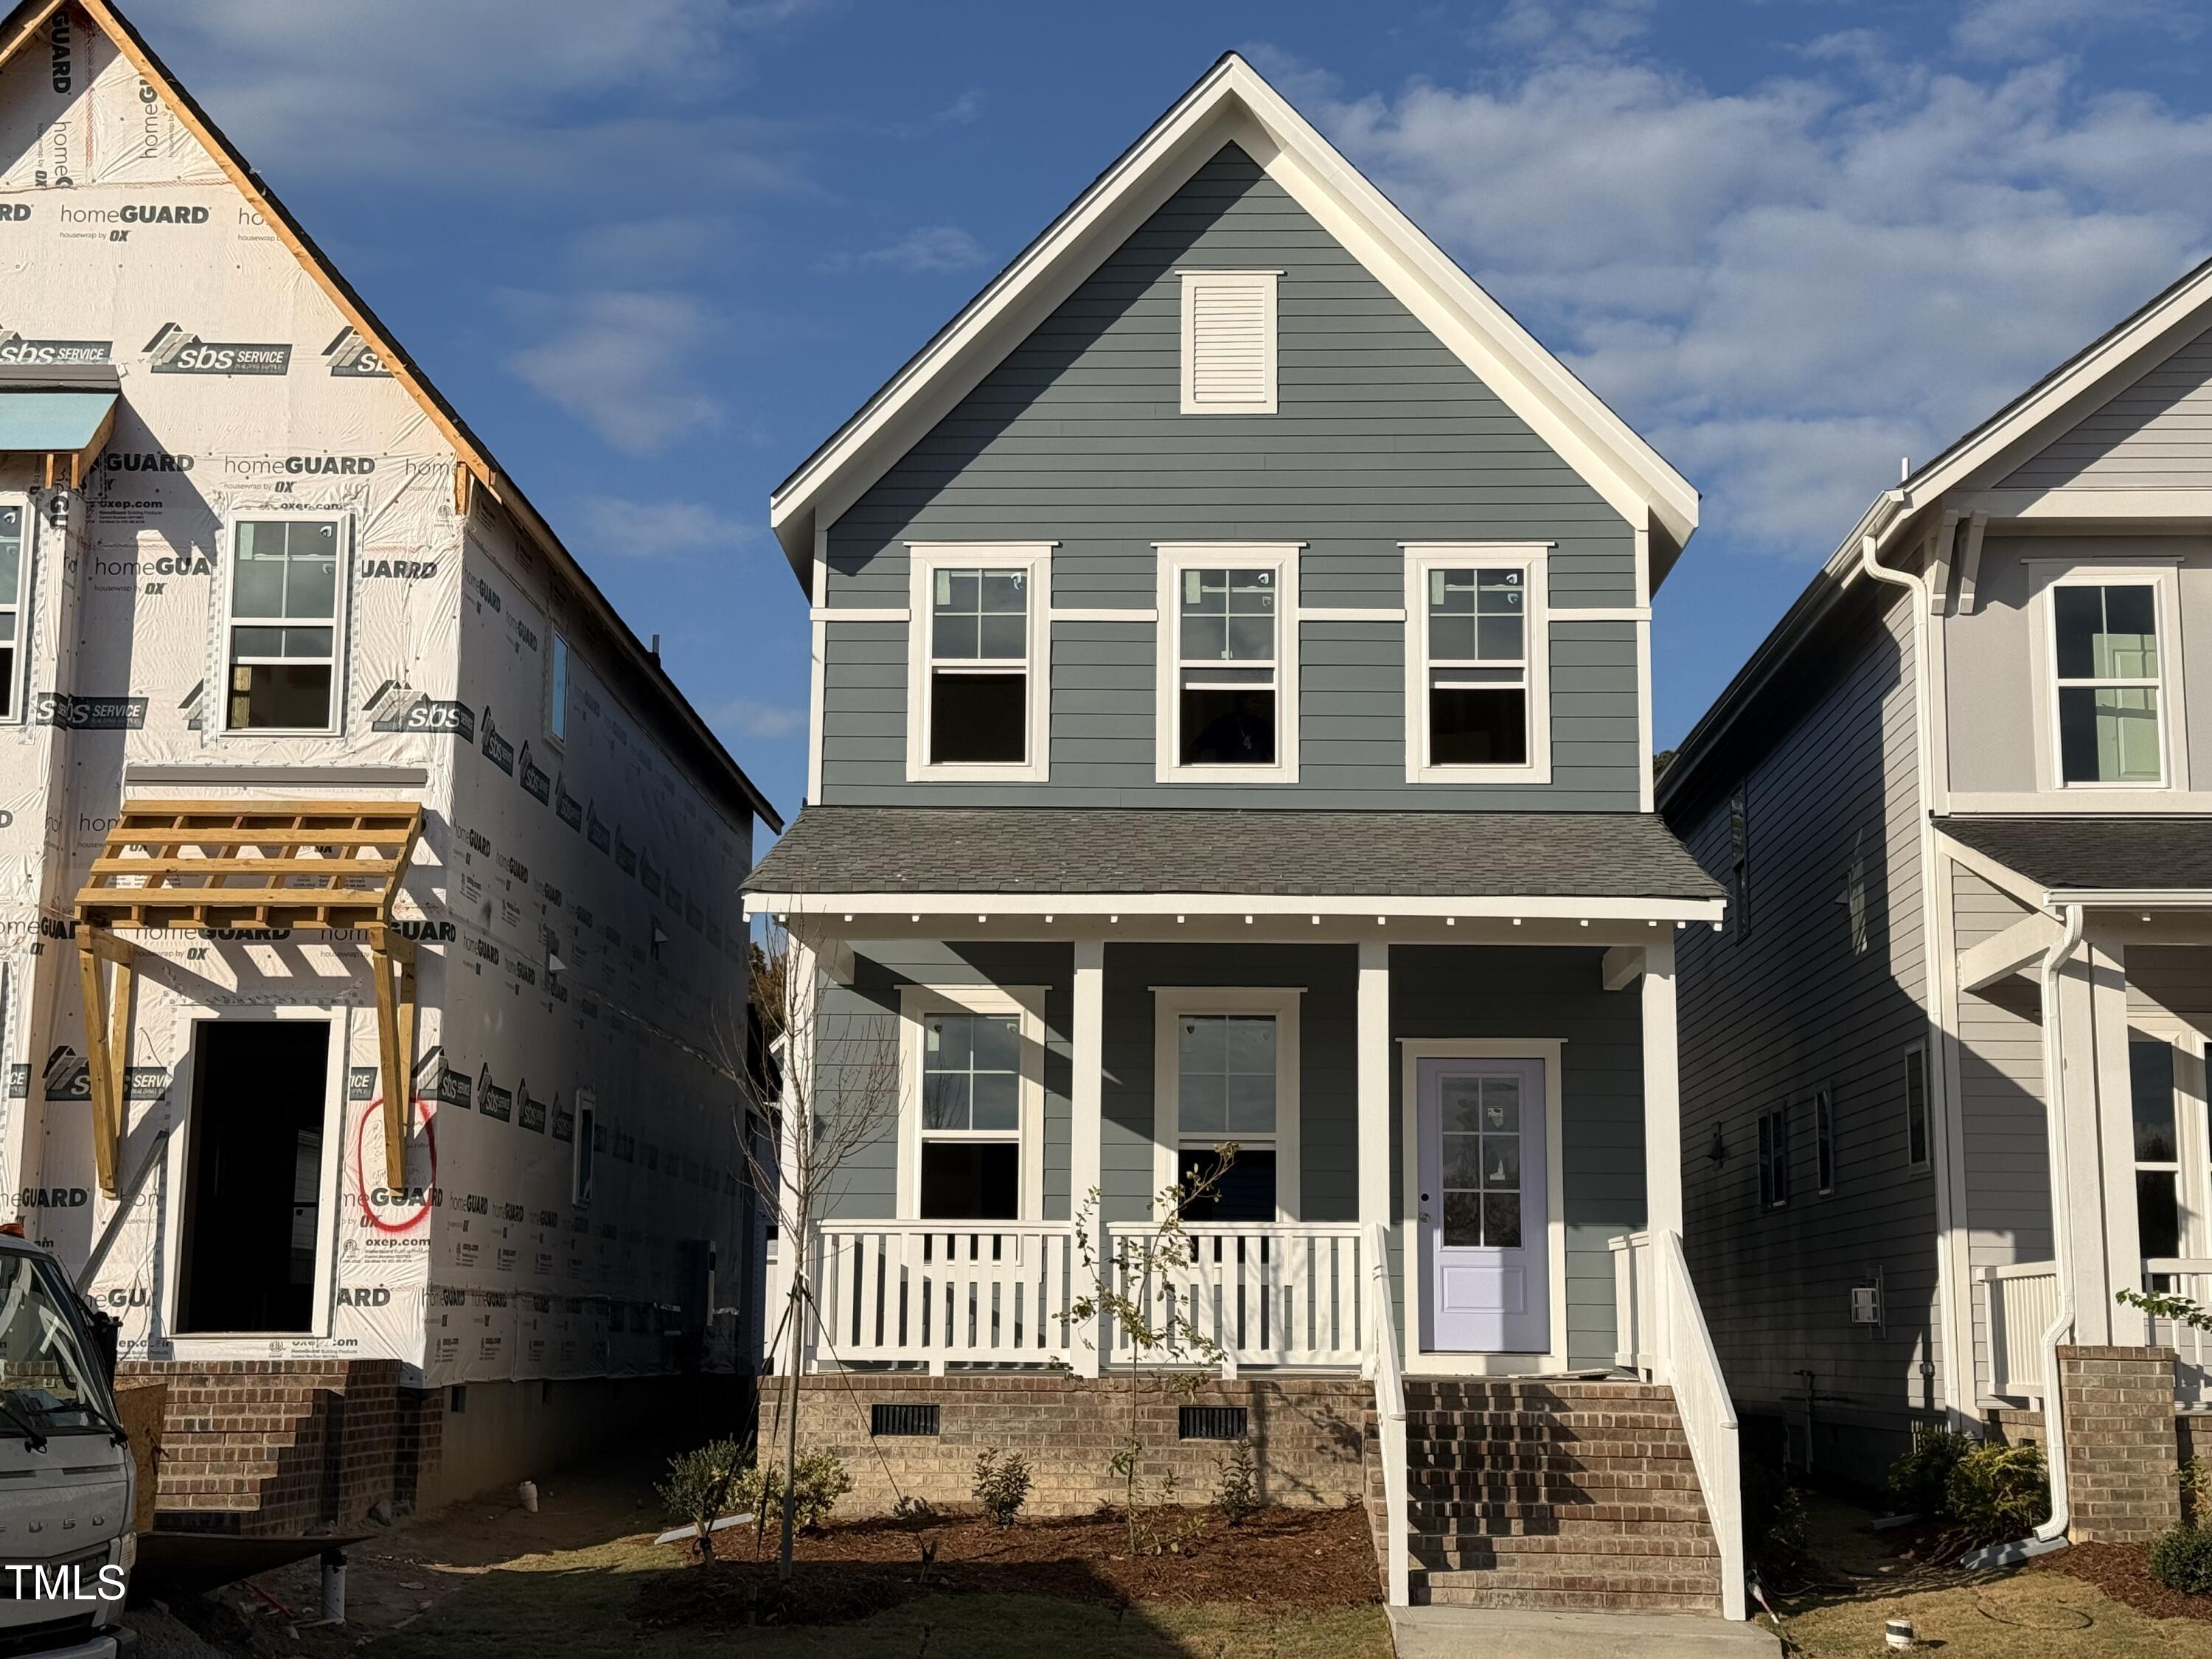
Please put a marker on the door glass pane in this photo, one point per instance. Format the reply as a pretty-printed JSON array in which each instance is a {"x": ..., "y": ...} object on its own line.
[
  {"x": 1480, "y": 1165},
  {"x": 2150, "y": 1076},
  {"x": 1501, "y": 1220}
]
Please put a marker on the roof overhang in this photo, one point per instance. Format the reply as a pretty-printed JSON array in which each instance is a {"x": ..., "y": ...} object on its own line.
[
  {"x": 982, "y": 906},
  {"x": 61, "y": 414},
  {"x": 1232, "y": 103}
]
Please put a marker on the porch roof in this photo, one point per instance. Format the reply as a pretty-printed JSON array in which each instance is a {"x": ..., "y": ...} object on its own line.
[
  {"x": 2082, "y": 855},
  {"x": 1273, "y": 853}
]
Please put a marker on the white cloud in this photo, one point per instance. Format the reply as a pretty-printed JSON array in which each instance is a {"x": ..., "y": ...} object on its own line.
[
  {"x": 659, "y": 529},
  {"x": 1789, "y": 287},
  {"x": 928, "y": 250},
  {"x": 748, "y": 717},
  {"x": 2020, "y": 30},
  {"x": 620, "y": 361}
]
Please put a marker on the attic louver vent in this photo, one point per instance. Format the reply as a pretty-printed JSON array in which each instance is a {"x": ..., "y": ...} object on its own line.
[{"x": 1229, "y": 342}]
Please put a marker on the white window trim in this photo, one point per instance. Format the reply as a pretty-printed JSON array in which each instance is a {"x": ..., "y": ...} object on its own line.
[
  {"x": 26, "y": 586},
  {"x": 2172, "y": 709},
  {"x": 341, "y": 634},
  {"x": 1169, "y": 1003},
  {"x": 1176, "y": 558},
  {"x": 1534, "y": 559},
  {"x": 1200, "y": 276},
  {"x": 924, "y": 560},
  {"x": 1027, "y": 1003}
]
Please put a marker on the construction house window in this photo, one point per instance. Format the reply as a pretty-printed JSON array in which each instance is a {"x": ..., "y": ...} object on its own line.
[
  {"x": 2108, "y": 675},
  {"x": 1739, "y": 899},
  {"x": 1229, "y": 342},
  {"x": 254, "y": 1181},
  {"x": 587, "y": 1143},
  {"x": 1855, "y": 897},
  {"x": 283, "y": 662},
  {"x": 1231, "y": 1060},
  {"x": 2157, "y": 1146},
  {"x": 1916, "y": 1108},
  {"x": 1476, "y": 664},
  {"x": 556, "y": 698},
  {"x": 1774, "y": 1159},
  {"x": 980, "y": 686},
  {"x": 15, "y": 539},
  {"x": 975, "y": 1104},
  {"x": 1228, "y": 700},
  {"x": 1824, "y": 1140}
]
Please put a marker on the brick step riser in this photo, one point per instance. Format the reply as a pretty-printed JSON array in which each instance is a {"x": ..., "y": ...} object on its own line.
[
  {"x": 1606, "y": 1601},
  {"x": 1589, "y": 1533},
  {"x": 1552, "y": 1546}
]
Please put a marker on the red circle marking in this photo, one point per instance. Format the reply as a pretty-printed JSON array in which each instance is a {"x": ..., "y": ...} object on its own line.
[{"x": 361, "y": 1174}]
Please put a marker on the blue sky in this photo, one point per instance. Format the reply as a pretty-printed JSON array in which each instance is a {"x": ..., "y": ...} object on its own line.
[{"x": 655, "y": 250}]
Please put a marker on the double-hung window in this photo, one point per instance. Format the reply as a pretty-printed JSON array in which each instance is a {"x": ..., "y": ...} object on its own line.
[
  {"x": 1228, "y": 1063},
  {"x": 2158, "y": 1145},
  {"x": 282, "y": 640},
  {"x": 1477, "y": 668},
  {"x": 15, "y": 562},
  {"x": 2111, "y": 685},
  {"x": 1228, "y": 659},
  {"x": 1774, "y": 1159},
  {"x": 975, "y": 1104},
  {"x": 979, "y": 688}
]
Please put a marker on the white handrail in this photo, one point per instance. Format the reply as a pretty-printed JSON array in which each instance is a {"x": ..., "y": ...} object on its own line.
[
  {"x": 1390, "y": 1418},
  {"x": 1708, "y": 1414}
]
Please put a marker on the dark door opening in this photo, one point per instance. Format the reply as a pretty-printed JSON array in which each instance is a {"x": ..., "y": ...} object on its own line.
[{"x": 253, "y": 1194}]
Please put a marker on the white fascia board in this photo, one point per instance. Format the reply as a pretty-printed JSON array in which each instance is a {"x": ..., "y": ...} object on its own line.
[
  {"x": 1218, "y": 904},
  {"x": 1233, "y": 103},
  {"x": 2128, "y": 898}
]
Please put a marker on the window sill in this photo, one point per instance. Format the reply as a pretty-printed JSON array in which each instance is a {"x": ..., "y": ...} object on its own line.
[
  {"x": 921, "y": 772},
  {"x": 1229, "y": 775},
  {"x": 1535, "y": 772}
]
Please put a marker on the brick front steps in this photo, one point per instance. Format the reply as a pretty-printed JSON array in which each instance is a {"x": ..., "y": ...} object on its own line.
[{"x": 1528, "y": 1493}]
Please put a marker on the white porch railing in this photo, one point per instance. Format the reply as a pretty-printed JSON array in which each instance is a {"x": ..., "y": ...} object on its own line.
[
  {"x": 1635, "y": 1314},
  {"x": 2189, "y": 1277},
  {"x": 1702, "y": 1400},
  {"x": 2019, "y": 1301},
  {"x": 1284, "y": 1293},
  {"x": 998, "y": 1293},
  {"x": 1389, "y": 1418}
]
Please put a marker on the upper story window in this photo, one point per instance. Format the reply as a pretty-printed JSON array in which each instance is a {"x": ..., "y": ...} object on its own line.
[
  {"x": 15, "y": 522},
  {"x": 1477, "y": 669},
  {"x": 1774, "y": 1159},
  {"x": 979, "y": 688},
  {"x": 283, "y": 626},
  {"x": 1229, "y": 342},
  {"x": 2108, "y": 676},
  {"x": 1228, "y": 696}
]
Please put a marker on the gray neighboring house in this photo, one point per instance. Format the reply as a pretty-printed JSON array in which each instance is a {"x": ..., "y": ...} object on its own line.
[
  {"x": 1962, "y": 800},
  {"x": 1231, "y": 724}
]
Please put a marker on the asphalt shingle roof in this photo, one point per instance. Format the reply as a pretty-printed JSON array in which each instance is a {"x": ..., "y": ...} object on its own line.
[
  {"x": 2077, "y": 851},
  {"x": 943, "y": 849}
]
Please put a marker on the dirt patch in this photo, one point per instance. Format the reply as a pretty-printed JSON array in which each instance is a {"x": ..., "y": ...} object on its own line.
[
  {"x": 2122, "y": 1572},
  {"x": 1278, "y": 1557}
]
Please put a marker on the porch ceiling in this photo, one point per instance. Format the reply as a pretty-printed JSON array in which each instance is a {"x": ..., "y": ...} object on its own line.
[{"x": 1204, "y": 859}]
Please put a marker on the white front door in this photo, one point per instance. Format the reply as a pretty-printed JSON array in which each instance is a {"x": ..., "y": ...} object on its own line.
[{"x": 1482, "y": 1208}]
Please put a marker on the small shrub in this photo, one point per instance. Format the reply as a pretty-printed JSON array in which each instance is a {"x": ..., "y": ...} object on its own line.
[
  {"x": 1999, "y": 1491},
  {"x": 821, "y": 1480},
  {"x": 704, "y": 1484},
  {"x": 1775, "y": 1534},
  {"x": 1002, "y": 1484},
  {"x": 2196, "y": 1479},
  {"x": 1236, "y": 1494},
  {"x": 2181, "y": 1558},
  {"x": 1917, "y": 1479}
]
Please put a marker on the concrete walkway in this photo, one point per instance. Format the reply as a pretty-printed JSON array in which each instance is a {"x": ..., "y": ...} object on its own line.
[{"x": 1484, "y": 1633}]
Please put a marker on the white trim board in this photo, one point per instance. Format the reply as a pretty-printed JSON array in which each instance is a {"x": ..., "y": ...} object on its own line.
[{"x": 984, "y": 905}]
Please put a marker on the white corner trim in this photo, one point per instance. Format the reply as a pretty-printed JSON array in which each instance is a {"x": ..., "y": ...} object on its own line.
[
  {"x": 924, "y": 559},
  {"x": 1026, "y": 1002},
  {"x": 1169, "y": 1003},
  {"x": 1534, "y": 559}
]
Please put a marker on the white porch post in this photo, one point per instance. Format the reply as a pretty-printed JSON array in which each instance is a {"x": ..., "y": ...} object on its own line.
[
  {"x": 2116, "y": 1125},
  {"x": 793, "y": 1248},
  {"x": 2077, "y": 1185},
  {"x": 1372, "y": 1050},
  {"x": 1086, "y": 1125},
  {"x": 1662, "y": 1093}
]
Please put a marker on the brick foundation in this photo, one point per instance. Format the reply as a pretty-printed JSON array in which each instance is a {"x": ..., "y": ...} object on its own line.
[
  {"x": 1305, "y": 1431},
  {"x": 2121, "y": 1449}
]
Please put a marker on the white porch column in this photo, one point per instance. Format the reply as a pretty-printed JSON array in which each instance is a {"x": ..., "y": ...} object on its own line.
[
  {"x": 1662, "y": 1092},
  {"x": 1372, "y": 1051},
  {"x": 1086, "y": 1120},
  {"x": 2116, "y": 1133}
]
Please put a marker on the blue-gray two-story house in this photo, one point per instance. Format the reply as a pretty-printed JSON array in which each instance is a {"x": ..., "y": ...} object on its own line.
[{"x": 1231, "y": 724}]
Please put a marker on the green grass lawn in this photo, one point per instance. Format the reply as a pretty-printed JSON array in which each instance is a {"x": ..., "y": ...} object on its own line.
[{"x": 576, "y": 1603}]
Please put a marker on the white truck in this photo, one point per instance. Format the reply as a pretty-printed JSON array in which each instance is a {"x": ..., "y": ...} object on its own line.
[{"x": 67, "y": 1482}]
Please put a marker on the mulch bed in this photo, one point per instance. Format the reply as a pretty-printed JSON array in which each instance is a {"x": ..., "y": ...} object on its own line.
[
  {"x": 1278, "y": 1557},
  {"x": 2122, "y": 1572}
]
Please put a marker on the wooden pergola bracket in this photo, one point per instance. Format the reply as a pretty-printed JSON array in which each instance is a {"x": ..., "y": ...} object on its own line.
[{"x": 316, "y": 867}]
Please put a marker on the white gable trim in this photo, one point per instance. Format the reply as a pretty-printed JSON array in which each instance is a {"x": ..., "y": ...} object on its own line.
[{"x": 1232, "y": 103}]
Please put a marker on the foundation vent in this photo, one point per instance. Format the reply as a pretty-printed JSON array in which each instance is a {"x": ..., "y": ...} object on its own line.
[
  {"x": 1213, "y": 1422},
  {"x": 912, "y": 1420}
]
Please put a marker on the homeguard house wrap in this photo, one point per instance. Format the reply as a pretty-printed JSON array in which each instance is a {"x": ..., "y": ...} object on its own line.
[
  {"x": 373, "y": 971},
  {"x": 1232, "y": 652},
  {"x": 1944, "y": 1070}
]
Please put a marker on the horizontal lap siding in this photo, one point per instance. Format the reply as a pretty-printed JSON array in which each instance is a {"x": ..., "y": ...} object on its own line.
[
  {"x": 1459, "y": 991},
  {"x": 1383, "y": 437},
  {"x": 1771, "y": 1014},
  {"x": 2007, "y": 1176},
  {"x": 2155, "y": 435}
]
